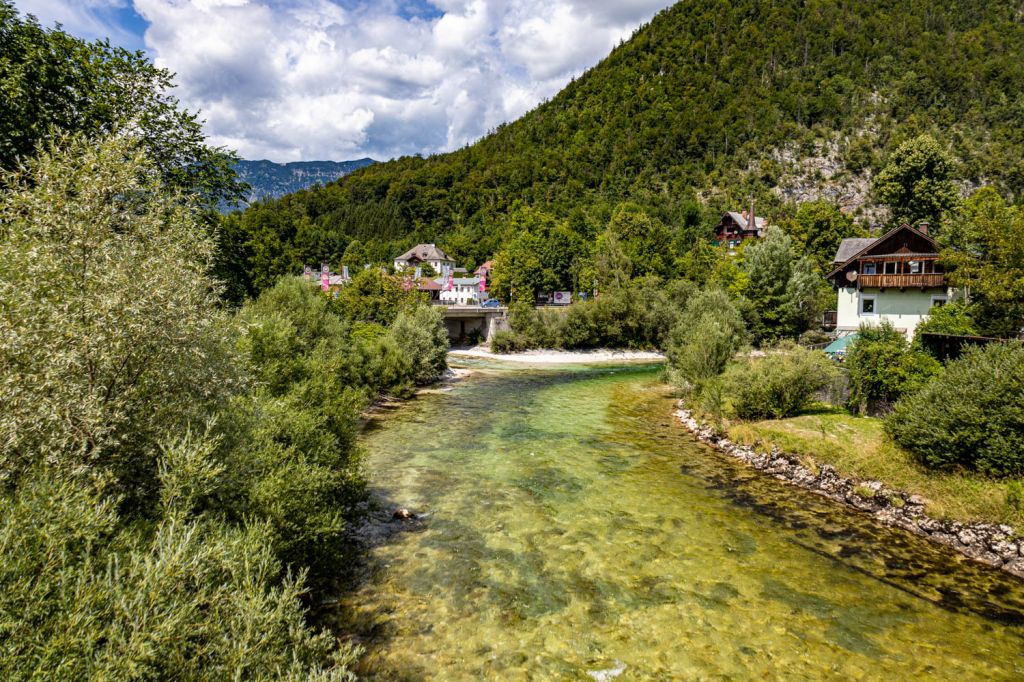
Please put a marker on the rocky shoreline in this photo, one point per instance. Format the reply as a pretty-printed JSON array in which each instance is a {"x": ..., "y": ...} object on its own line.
[{"x": 995, "y": 545}]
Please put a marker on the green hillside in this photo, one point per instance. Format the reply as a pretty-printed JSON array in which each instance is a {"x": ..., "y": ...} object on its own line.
[{"x": 711, "y": 102}]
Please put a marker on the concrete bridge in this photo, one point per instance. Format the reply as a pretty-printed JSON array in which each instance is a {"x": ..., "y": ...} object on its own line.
[{"x": 461, "y": 321}]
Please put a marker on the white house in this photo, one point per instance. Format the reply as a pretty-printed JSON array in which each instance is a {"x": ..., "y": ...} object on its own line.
[
  {"x": 897, "y": 277},
  {"x": 464, "y": 291},
  {"x": 424, "y": 253}
]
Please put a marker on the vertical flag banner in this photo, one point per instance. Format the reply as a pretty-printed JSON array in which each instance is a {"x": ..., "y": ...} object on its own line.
[
  {"x": 325, "y": 269},
  {"x": 483, "y": 284},
  {"x": 325, "y": 281},
  {"x": 451, "y": 282},
  {"x": 344, "y": 272},
  {"x": 419, "y": 273},
  {"x": 307, "y": 272}
]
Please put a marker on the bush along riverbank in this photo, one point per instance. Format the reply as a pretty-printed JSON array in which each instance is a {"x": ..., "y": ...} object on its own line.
[{"x": 997, "y": 545}]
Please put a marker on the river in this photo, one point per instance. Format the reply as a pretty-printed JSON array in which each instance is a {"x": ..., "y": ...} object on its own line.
[{"x": 574, "y": 531}]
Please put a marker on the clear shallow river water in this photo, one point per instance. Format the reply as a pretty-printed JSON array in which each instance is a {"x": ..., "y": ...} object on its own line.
[{"x": 574, "y": 531}]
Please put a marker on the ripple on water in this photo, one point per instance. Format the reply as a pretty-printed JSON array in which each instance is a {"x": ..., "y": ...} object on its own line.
[{"x": 576, "y": 533}]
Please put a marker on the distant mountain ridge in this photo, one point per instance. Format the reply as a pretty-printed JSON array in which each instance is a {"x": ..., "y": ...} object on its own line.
[{"x": 273, "y": 180}]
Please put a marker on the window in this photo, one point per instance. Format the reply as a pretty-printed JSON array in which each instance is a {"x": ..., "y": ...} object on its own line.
[
  {"x": 938, "y": 301},
  {"x": 890, "y": 268},
  {"x": 915, "y": 267},
  {"x": 868, "y": 305},
  {"x": 869, "y": 268}
]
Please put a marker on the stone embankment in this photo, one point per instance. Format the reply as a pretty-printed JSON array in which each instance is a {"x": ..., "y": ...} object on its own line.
[{"x": 995, "y": 545}]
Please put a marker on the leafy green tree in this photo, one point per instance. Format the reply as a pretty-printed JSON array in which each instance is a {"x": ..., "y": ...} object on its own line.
[
  {"x": 56, "y": 84},
  {"x": 953, "y": 318},
  {"x": 883, "y": 369},
  {"x": 420, "y": 333},
  {"x": 613, "y": 268},
  {"x": 372, "y": 296},
  {"x": 543, "y": 254},
  {"x": 819, "y": 227},
  {"x": 108, "y": 317},
  {"x": 917, "y": 182},
  {"x": 985, "y": 254},
  {"x": 782, "y": 287},
  {"x": 710, "y": 331},
  {"x": 646, "y": 242}
]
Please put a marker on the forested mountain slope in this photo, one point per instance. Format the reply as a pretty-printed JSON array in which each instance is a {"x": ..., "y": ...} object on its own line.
[{"x": 710, "y": 103}]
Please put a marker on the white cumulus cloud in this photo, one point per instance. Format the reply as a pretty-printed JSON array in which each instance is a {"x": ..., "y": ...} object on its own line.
[{"x": 338, "y": 79}]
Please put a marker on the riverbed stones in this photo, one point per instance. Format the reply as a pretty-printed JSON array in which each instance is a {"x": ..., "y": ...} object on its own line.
[{"x": 995, "y": 545}]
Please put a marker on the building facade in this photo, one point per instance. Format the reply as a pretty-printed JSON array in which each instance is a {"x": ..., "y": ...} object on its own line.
[
  {"x": 897, "y": 277},
  {"x": 464, "y": 291},
  {"x": 424, "y": 253}
]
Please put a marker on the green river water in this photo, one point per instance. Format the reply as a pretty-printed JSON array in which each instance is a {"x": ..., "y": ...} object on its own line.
[{"x": 574, "y": 531}]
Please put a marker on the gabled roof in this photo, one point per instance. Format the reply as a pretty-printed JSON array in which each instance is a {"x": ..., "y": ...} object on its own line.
[
  {"x": 851, "y": 246},
  {"x": 759, "y": 222},
  {"x": 424, "y": 252},
  {"x": 852, "y": 249}
]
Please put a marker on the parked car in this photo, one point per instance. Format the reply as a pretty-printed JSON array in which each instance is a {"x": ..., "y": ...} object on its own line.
[{"x": 490, "y": 303}]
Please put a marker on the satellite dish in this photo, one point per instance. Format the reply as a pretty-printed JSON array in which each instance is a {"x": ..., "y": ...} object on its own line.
[{"x": 851, "y": 276}]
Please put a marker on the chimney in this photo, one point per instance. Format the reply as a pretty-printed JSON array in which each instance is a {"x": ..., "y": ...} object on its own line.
[
  {"x": 923, "y": 226},
  {"x": 752, "y": 221}
]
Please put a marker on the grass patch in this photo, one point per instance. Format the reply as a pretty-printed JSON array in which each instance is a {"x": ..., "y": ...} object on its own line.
[{"x": 858, "y": 447}]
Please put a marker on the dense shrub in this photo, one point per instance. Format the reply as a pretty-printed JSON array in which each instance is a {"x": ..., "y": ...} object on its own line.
[
  {"x": 954, "y": 318},
  {"x": 420, "y": 333},
  {"x": 636, "y": 316},
  {"x": 778, "y": 385},
  {"x": 971, "y": 416},
  {"x": 508, "y": 342},
  {"x": 883, "y": 369},
  {"x": 130, "y": 547},
  {"x": 107, "y": 318},
  {"x": 708, "y": 334},
  {"x": 84, "y": 596}
]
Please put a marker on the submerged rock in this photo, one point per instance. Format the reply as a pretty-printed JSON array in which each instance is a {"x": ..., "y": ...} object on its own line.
[
  {"x": 608, "y": 674},
  {"x": 403, "y": 514}
]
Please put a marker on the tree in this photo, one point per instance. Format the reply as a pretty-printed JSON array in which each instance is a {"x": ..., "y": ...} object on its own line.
[
  {"x": 710, "y": 331},
  {"x": 782, "y": 288},
  {"x": 613, "y": 267},
  {"x": 542, "y": 254},
  {"x": 54, "y": 83},
  {"x": 645, "y": 241},
  {"x": 917, "y": 183},
  {"x": 985, "y": 254},
  {"x": 819, "y": 227},
  {"x": 883, "y": 369},
  {"x": 373, "y": 297},
  {"x": 420, "y": 333},
  {"x": 108, "y": 316}
]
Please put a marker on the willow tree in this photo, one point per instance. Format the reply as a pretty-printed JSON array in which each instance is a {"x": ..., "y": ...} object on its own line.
[{"x": 110, "y": 336}]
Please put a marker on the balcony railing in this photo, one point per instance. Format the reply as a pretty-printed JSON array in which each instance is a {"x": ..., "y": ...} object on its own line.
[{"x": 920, "y": 281}]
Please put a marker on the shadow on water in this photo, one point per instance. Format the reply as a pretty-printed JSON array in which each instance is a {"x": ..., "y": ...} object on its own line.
[{"x": 526, "y": 535}]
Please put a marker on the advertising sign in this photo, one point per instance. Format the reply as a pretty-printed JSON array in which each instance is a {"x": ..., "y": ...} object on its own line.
[{"x": 562, "y": 298}]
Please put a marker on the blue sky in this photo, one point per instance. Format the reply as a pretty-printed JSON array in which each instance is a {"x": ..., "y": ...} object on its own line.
[{"x": 293, "y": 80}]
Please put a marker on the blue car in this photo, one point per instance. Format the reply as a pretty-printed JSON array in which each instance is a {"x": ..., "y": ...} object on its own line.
[{"x": 490, "y": 303}]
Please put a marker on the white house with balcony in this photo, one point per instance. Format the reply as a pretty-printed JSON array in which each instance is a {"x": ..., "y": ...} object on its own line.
[{"x": 897, "y": 277}]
